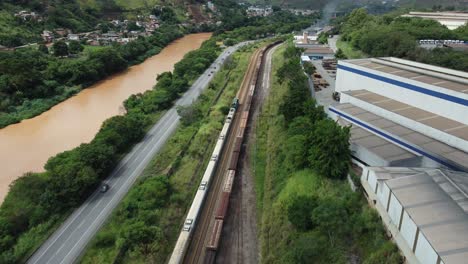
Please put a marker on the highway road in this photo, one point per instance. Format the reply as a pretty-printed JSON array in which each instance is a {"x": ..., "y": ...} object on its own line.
[{"x": 67, "y": 243}]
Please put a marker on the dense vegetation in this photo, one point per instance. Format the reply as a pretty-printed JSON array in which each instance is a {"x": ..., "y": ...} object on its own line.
[
  {"x": 76, "y": 15},
  {"x": 308, "y": 211},
  {"x": 180, "y": 166},
  {"x": 391, "y": 35},
  {"x": 32, "y": 81},
  {"x": 37, "y": 201},
  {"x": 241, "y": 27}
]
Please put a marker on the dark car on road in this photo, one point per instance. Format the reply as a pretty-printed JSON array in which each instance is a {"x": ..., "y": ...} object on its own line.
[{"x": 104, "y": 188}]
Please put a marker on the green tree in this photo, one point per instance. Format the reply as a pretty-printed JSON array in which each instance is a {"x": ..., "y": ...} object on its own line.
[
  {"x": 300, "y": 209},
  {"x": 311, "y": 247},
  {"x": 340, "y": 55},
  {"x": 43, "y": 48},
  {"x": 75, "y": 47},
  {"x": 60, "y": 48},
  {"x": 329, "y": 152},
  {"x": 309, "y": 68},
  {"x": 189, "y": 114},
  {"x": 229, "y": 42},
  {"x": 330, "y": 217}
]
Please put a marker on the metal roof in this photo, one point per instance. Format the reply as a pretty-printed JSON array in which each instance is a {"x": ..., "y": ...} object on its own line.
[
  {"x": 384, "y": 149},
  {"x": 441, "y": 77},
  {"x": 431, "y": 146},
  {"x": 321, "y": 50},
  {"x": 437, "y": 201},
  {"x": 441, "y": 123}
]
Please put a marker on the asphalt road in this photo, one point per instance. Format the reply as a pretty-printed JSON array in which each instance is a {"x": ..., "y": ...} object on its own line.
[{"x": 67, "y": 243}]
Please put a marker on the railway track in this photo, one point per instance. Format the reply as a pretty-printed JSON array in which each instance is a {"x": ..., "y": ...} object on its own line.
[
  {"x": 196, "y": 252},
  {"x": 200, "y": 236}
]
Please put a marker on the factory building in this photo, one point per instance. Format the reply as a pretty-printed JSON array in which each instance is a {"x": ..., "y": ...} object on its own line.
[
  {"x": 421, "y": 109},
  {"x": 425, "y": 210},
  {"x": 409, "y": 134},
  {"x": 451, "y": 20}
]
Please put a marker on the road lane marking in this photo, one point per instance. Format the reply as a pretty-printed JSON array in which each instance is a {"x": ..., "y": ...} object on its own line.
[
  {"x": 132, "y": 176},
  {"x": 199, "y": 85},
  {"x": 117, "y": 172}
]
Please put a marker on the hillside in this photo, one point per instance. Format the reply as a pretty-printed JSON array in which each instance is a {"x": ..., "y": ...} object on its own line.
[
  {"x": 346, "y": 5},
  {"x": 76, "y": 15}
]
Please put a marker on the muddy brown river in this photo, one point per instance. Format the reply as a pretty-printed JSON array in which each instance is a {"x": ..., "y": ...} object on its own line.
[{"x": 27, "y": 146}]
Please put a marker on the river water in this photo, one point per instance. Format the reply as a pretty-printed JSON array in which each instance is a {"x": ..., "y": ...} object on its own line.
[{"x": 27, "y": 146}]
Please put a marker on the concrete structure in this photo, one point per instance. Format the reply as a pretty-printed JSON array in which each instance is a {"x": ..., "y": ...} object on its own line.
[
  {"x": 451, "y": 20},
  {"x": 425, "y": 210}
]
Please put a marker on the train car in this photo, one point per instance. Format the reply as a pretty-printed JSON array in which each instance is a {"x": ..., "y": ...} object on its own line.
[
  {"x": 234, "y": 159},
  {"x": 222, "y": 206},
  {"x": 229, "y": 180},
  {"x": 215, "y": 235},
  {"x": 190, "y": 222},
  {"x": 178, "y": 253},
  {"x": 217, "y": 150},
  {"x": 240, "y": 132},
  {"x": 252, "y": 89},
  {"x": 230, "y": 115},
  {"x": 237, "y": 144},
  {"x": 225, "y": 130},
  {"x": 235, "y": 103}
]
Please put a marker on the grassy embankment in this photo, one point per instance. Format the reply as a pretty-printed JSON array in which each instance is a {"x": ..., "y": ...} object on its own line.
[
  {"x": 349, "y": 51},
  {"x": 181, "y": 163},
  {"x": 359, "y": 236}
]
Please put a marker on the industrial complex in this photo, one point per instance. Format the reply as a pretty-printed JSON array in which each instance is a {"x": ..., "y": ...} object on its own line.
[{"x": 409, "y": 134}]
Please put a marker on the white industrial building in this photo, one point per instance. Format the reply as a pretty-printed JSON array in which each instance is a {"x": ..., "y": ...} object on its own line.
[
  {"x": 451, "y": 20},
  {"x": 409, "y": 133},
  {"x": 425, "y": 210},
  {"x": 421, "y": 109}
]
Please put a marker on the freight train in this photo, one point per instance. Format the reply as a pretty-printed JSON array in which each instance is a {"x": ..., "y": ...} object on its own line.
[{"x": 220, "y": 212}]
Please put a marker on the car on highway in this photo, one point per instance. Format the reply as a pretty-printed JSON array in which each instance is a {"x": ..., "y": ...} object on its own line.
[{"x": 104, "y": 188}]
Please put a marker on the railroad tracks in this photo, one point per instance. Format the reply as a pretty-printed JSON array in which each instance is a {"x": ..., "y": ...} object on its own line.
[{"x": 201, "y": 234}]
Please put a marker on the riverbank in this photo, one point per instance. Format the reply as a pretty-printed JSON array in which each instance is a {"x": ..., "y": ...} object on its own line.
[
  {"x": 34, "y": 81},
  {"x": 36, "y": 202},
  {"x": 28, "y": 145}
]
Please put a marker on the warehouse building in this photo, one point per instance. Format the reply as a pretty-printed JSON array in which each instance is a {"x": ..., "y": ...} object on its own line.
[
  {"x": 409, "y": 134},
  {"x": 425, "y": 210},
  {"x": 319, "y": 53},
  {"x": 421, "y": 109}
]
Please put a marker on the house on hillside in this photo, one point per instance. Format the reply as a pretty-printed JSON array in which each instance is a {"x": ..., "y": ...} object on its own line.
[
  {"x": 47, "y": 36},
  {"x": 73, "y": 37}
]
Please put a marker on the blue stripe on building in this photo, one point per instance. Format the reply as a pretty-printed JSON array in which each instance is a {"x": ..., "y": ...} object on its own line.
[
  {"x": 408, "y": 86},
  {"x": 393, "y": 139}
]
